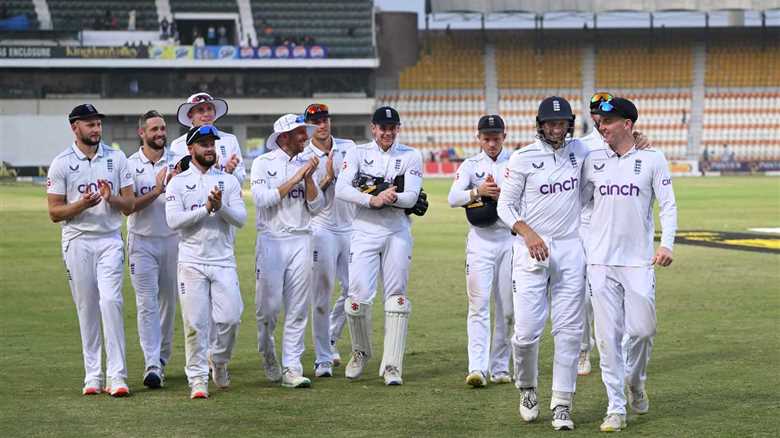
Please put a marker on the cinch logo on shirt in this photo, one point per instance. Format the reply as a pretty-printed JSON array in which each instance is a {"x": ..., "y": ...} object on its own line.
[
  {"x": 93, "y": 187},
  {"x": 617, "y": 190},
  {"x": 196, "y": 206},
  {"x": 146, "y": 189},
  {"x": 666, "y": 182},
  {"x": 569, "y": 184},
  {"x": 296, "y": 193}
]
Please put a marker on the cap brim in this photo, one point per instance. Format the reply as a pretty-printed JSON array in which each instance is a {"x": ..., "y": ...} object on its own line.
[
  {"x": 271, "y": 144},
  {"x": 87, "y": 117},
  {"x": 220, "y": 109},
  {"x": 491, "y": 130}
]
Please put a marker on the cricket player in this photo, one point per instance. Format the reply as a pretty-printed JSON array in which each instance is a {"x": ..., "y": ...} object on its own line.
[
  {"x": 89, "y": 186},
  {"x": 331, "y": 230},
  {"x": 624, "y": 183},
  {"x": 540, "y": 201},
  {"x": 488, "y": 255},
  {"x": 287, "y": 195},
  {"x": 381, "y": 241},
  {"x": 152, "y": 247},
  {"x": 202, "y": 109},
  {"x": 204, "y": 205}
]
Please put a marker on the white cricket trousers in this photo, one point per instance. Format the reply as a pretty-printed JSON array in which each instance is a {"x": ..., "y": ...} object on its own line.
[
  {"x": 207, "y": 293},
  {"x": 153, "y": 266},
  {"x": 331, "y": 262},
  {"x": 623, "y": 303},
  {"x": 283, "y": 268},
  {"x": 489, "y": 274},
  {"x": 531, "y": 283},
  {"x": 369, "y": 253},
  {"x": 94, "y": 264}
]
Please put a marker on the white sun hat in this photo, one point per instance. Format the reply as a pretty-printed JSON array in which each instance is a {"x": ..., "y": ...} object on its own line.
[
  {"x": 220, "y": 107},
  {"x": 287, "y": 123}
]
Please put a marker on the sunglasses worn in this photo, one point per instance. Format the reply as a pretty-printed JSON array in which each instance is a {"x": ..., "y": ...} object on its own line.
[{"x": 605, "y": 97}]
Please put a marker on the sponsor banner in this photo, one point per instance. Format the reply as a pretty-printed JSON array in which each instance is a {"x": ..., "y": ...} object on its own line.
[
  {"x": 166, "y": 52},
  {"x": 171, "y": 52},
  {"x": 216, "y": 52},
  {"x": 684, "y": 167},
  {"x": 744, "y": 166}
]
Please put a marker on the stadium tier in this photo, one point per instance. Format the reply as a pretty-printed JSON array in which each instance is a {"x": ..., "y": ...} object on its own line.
[
  {"x": 734, "y": 64},
  {"x": 539, "y": 67},
  {"x": 641, "y": 65},
  {"x": 75, "y": 15},
  {"x": 345, "y": 27},
  {"x": 447, "y": 62},
  {"x": 204, "y": 6},
  {"x": 748, "y": 122}
]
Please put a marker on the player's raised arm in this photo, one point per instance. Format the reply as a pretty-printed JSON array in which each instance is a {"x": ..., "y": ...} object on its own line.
[
  {"x": 176, "y": 214},
  {"x": 59, "y": 208},
  {"x": 315, "y": 200},
  {"x": 233, "y": 210}
]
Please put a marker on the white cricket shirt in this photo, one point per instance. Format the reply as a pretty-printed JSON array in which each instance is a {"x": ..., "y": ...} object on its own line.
[
  {"x": 149, "y": 221},
  {"x": 337, "y": 214},
  {"x": 227, "y": 145}
]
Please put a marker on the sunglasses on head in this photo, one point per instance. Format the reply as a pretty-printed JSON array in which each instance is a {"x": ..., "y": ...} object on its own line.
[
  {"x": 201, "y": 98},
  {"x": 316, "y": 108},
  {"x": 300, "y": 119},
  {"x": 604, "y": 97},
  {"x": 204, "y": 131},
  {"x": 606, "y": 106}
]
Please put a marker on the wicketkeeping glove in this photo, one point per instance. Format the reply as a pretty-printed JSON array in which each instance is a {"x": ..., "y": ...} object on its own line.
[{"x": 421, "y": 207}]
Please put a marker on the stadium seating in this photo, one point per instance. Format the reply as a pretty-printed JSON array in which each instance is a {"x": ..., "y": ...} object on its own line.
[
  {"x": 203, "y": 6},
  {"x": 83, "y": 14},
  {"x": 22, "y": 7},
  {"x": 447, "y": 62},
  {"x": 344, "y": 27},
  {"x": 748, "y": 122},
  {"x": 641, "y": 65},
  {"x": 525, "y": 66},
  {"x": 743, "y": 65},
  {"x": 664, "y": 119},
  {"x": 441, "y": 124}
]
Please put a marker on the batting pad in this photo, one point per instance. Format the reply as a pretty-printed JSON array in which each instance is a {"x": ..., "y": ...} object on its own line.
[
  {"x": 397, "y": 309},
  {"x": 359, "y": 319}
]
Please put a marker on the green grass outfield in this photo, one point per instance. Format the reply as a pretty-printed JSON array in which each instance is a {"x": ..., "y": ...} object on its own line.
[{"x": 714, "y": 370}]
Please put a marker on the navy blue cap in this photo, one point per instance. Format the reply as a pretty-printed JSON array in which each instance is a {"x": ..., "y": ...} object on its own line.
[
  {"x": 84, "y": 111},
  {"x": 386, "y": 116}
]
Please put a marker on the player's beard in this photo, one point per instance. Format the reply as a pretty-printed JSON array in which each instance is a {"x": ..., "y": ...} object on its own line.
[
  {"x": 87, "y": 140},
  {"x": 158, "y": 143},
  {"x": 204, "y": 161}
]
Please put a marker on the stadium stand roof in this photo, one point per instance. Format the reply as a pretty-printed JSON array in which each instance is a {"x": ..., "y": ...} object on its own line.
[{"x": 596, "y": 6}]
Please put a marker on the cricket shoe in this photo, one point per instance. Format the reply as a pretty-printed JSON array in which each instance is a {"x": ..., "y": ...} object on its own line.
[
  {"x": 92, "y": 387},
  {"x": 392, "y": 376},
  {"x": 199, "y": 389},
  {"x": 529, "y": 404},
  {"x": 294, "y": 379},
  {"x": 220, "y": 375},
  {"x": 562, "y": 418},
  {"x": 355, "y": 365},
  {"x": 613, "y": 423},
  {"x": 118, "y": 388},
  {"x": 638, "y": 400},
  {"x": 153, "y": 377},
  {"x": 583, "y": 364},
  {"x": 476, "y": 379},
  {"x": 334, "y": 354},
  {"x": 501, "y": 377},
  {"x": 324, "y": 369},
  {"x": 273, "y": 372}
]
